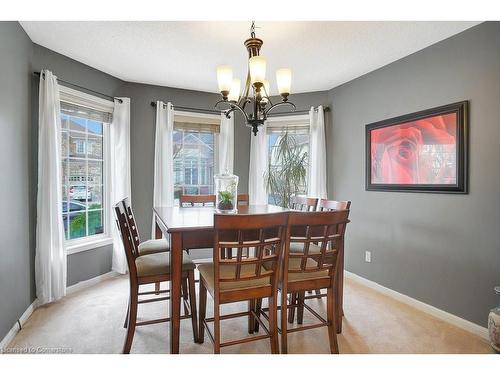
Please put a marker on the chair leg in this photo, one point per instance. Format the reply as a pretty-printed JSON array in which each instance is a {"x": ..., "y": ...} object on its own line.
[
  {"x": 132, "y": 320},
  {"x": 192, "y": 304},
  {"x": 251, "y": 319},
  {"x": 258, "y": 306},
  {"x": 291, "y": 310},
  {"x": 216, "y": 326},
  {"x": 157, "y": 288},
  {"x": 126, "y": 316},
  {"x": 332, "y": 321},
  {"x": 185, "y": 294},
  {"x": 300, "y": 307},
  {"x": 203, "y": 311},
  {"x": 284, "y": 323},
  {"x": 273, "y": 324}
]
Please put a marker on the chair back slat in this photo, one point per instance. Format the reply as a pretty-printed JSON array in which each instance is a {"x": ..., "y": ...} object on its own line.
[
  {"x": 131, "y": 252},
  {"x": 328, "y": 205},
  {"x": 197, "y": 200},
  {"x": 263, "y": 234},
  {"x": 317, "y": 238},
  {"x": 303, "y": 203},
  {"x": 132, "y": 224},
  {"x": 243, "y": 200}
]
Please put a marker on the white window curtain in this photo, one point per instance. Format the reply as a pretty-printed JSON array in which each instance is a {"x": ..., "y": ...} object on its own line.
[
  {"x": 257, "y": 189},
  {"x": 163, "y": 188},
  {"x": 120, "y": 184},
  {"x": 50, "y": 255},
  {"x": 316, "y": 177},
  {"x": 226, "y": 144}
]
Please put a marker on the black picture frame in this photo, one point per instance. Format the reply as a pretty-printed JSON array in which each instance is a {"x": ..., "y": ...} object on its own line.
[{"x": 462, "y": 122}]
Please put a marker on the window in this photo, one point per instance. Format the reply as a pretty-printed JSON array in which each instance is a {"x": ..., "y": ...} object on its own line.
[
  {"x": 84, "y": 127},
  {"x": 290, "y": 133},
  {"x": 194, "y": 153}
]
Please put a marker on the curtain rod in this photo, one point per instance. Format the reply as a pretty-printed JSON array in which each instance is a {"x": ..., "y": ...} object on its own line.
[
  {"x": 84, "y": 88},
  {"x": 202, "y": 110}
]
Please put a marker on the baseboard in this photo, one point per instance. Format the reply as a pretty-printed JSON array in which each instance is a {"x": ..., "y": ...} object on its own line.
[
  {"x": 431, "y": 310},
  {"x": 18, "y": 326},
  {"x": 87, "y": 283}
]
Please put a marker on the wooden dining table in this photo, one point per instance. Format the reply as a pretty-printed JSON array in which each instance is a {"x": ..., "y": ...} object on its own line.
[{"x": 193, "y": 228}]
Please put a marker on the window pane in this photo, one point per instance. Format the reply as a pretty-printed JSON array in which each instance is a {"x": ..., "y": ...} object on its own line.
[
  {"x": 95, "y": 172},
  {"x": 77, "y": 179},
  {"x": 77, "y": 144},
  {"x": 95, "y": 222},
  {"x": 77, "y": 224},
  {"x": 94, "y": 127},
  {"x": 94, "y": 147},
  {"x": 77, "y": 124},
  {"x": 95, "y": 196}
]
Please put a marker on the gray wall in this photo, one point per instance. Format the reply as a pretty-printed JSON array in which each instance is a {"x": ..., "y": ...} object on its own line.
[
  {"x": 15, "y": 272},
  {"x": 441, "y": 249}
]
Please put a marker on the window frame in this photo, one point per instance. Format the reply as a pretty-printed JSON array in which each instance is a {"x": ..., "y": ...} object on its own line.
[
  {"x": 73, "y": 246},
  {"x": 216, "y": 135}
]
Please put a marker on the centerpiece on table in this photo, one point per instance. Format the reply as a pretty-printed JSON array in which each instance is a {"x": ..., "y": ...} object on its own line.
[{"x": 226, "y": 192}]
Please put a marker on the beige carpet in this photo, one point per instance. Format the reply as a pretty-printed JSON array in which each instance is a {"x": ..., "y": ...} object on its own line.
[{"x": 90, "y": 321}]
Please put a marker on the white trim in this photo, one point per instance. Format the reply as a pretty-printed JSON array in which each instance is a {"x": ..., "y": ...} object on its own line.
[
  {"x": 15, "y": 328},
  {"x": 90, "y": 282},
  {"x": 431, "y": 310},
  {"x": 87, "y": 243},
  {"x": 292, "y": 120}
]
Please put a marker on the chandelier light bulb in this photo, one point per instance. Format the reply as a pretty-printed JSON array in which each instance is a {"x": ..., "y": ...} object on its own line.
[
  {"x": 284, "y": 81},
  {"x": 257, "y": 67},
  {"x": 224, "y": 79},
  {"x": 234, "y": 92}
]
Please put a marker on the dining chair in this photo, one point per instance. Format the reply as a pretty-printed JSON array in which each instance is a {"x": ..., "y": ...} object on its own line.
[
  {"x": 146, "y": 247},
  {"x": 243, "y": 200},
  {"x": 303, "y": 203},
  {"x": 243, "y": 279},
  {"x": 151, "y": 269},
  {"x": 197, "y": 200},
  {"x": 313, "y": 267},
  {"x": 328, "y": 205}
]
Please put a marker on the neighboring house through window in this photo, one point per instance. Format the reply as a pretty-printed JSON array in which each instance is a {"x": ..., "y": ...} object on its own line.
[
  {"x": 84, "y": 135},
  {"x": 194, "y": 153}
]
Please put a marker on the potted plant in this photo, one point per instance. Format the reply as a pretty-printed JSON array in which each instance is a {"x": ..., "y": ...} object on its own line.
[
  {"x": 225, "y": 201},
  {"x": 286, "y": 175}
]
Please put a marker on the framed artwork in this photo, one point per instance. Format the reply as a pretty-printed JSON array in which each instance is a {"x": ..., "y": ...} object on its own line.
[{"x": 420, "y": 152}]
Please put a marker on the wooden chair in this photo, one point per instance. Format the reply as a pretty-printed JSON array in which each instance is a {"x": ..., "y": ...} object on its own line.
[
  {"x": 197, "y": 200},
  {"x": 327, "y": 205},
  {"x": 151, "y": 269},
  {"x": 243, "y": 200},
  {"x": 243, "y": 279},
  {"x": 144, "y": 247},
  {"x": 313, "y": 268},
  {"x": 303, "y": 203}
]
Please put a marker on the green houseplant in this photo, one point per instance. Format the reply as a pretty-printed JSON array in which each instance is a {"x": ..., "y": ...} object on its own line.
[
  {"x": 225, "y": 200},
  {"x": 287, "y": 171}
]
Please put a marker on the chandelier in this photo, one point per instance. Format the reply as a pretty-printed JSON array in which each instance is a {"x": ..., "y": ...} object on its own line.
[{"x": 256, "y": 92}]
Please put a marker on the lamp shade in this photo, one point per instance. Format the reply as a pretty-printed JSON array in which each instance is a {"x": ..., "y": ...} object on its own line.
[
  {"x": 224, "y": 78},
  {"x": 284, "y": 80},
  {"x": 257, "y": 67},
  {"x": 234, "y": 93}
]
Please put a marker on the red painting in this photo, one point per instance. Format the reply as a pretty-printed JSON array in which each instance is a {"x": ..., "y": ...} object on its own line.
[{"x": 422, "y": 152}]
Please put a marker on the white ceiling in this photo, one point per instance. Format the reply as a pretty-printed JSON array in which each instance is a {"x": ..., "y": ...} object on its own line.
[{"x": 322, "y": 55}]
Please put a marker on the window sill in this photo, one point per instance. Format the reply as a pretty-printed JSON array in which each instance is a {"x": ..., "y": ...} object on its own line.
[{"x": 78, "y": 246}]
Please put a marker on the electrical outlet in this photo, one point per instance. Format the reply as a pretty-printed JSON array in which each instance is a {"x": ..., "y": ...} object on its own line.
[{"x": 368, "y": 256}]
